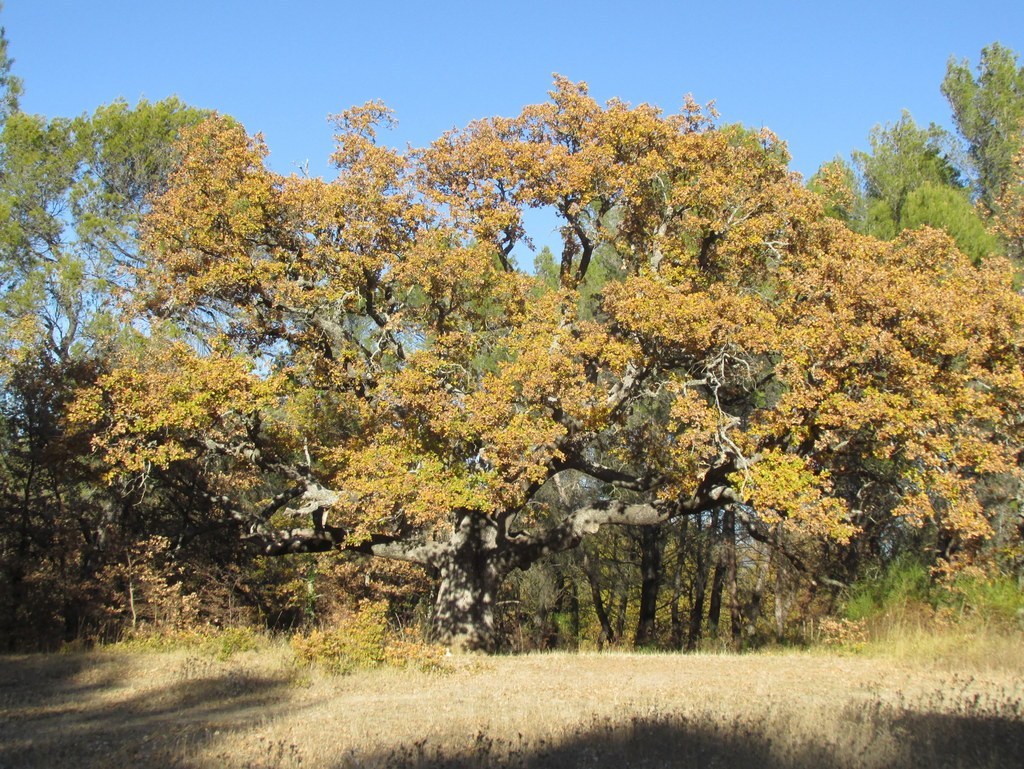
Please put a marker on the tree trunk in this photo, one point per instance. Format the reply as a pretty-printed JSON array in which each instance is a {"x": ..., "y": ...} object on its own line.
[
  {"x": 470, "y": 575},
  {"x": 607, "y": 634},
  {"x": 694, "y": 632},
  {"x": 751, "y": 608},
  {"x": 677, "y": 585},
  {"x": 717, "y": 582},
  {"x": 735, "y": 610},
  {"x": 621, "y": 609},
  {"x": 650, "y": 583},
  {"x": 481, "y": 552},
  {"x": 700, "y": 581},
  {"x": 783, "y": 594},
  {"x": 571, "y": 593},
  {"x": 715, "y": 608},
  {"x": 724, "y": 581}
]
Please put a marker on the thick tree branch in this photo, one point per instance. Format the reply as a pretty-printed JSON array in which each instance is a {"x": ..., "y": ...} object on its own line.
[
  {"x": 275, "y": 542},
  {"x": 570, "y": 531},
  {"x": 586, "y": 249}
]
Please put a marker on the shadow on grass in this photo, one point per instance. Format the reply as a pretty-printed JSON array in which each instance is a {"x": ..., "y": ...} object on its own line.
[
  {"x": 33, "y": 680},
  {"x": 85, "y": 711},
  {"x": 878, "y": 738},
  {"x": 52, "y": 716}
]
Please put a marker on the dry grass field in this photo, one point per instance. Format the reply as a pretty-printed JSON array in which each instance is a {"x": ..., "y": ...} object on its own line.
[{"x": 121, "y": 708}]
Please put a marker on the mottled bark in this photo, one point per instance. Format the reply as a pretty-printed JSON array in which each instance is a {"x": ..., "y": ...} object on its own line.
[{"x": 470, "y": 575}]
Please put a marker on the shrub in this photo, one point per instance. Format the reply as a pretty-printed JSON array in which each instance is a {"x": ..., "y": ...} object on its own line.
[
  {"x": 905, "y": 585},
  {"x": 907, "y": 603},
  {"x": 994, "y": 599},
  {"x": 846, "y": 633},
  {"x": 364, "y": 639},
  {"x": 222, "y": 643}
]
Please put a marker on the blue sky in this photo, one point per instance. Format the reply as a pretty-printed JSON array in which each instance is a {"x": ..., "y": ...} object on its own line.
[{"x": 820, "y": 74}]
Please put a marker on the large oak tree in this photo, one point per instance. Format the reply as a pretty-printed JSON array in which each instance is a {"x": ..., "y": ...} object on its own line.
[{"x": 358, "y": 364}]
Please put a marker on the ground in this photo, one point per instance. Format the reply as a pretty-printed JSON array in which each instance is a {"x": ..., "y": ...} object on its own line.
[{"x": 260, "y": 709}]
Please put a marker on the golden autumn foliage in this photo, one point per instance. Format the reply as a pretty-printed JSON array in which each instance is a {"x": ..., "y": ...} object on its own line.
[
  {"x": 367, "y": 348},
  {"x": 175, "y": 394}
]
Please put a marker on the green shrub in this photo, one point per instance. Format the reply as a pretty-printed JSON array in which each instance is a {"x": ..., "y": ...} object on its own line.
[
  {"x": 995, "y": 600},
  {"x": 907, "y": 602},
  {"x": 904, "y": 585}
]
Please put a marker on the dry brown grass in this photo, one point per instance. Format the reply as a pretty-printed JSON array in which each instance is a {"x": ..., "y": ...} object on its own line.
[{"x": 258, "y": 709}]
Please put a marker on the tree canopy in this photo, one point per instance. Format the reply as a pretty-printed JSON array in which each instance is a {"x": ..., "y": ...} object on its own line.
[{"x": 358, "y": 364}]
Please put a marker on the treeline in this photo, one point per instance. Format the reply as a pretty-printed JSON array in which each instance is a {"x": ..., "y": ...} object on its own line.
[
  {"x": 136, "y": 442},
  {"x": 965, "y": 184}
]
